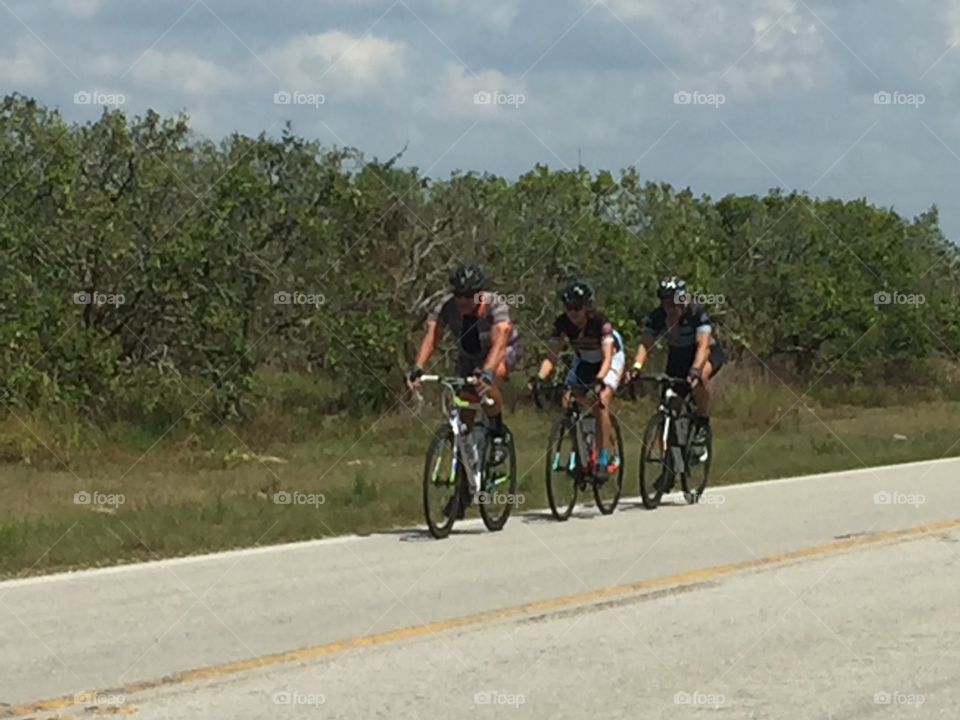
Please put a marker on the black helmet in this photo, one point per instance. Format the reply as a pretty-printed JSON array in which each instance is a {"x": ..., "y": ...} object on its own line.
[
  {"x": 467, "y": 280},
  {"x": 672, "y": 287},
  {"x": 577, "y": 295}
]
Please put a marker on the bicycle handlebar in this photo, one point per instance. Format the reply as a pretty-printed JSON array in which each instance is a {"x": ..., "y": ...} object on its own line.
[
  {"x": 662, "y": 379},
  {"x": 455, "y": 384}
]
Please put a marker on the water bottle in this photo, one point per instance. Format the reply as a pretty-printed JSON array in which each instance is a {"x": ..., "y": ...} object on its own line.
[{"x": 589, "y": 426}]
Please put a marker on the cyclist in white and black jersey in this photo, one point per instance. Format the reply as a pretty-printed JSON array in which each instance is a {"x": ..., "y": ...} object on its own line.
[
  {"x": 599, "y": 363},
  {"x": 694, "y": 352}
]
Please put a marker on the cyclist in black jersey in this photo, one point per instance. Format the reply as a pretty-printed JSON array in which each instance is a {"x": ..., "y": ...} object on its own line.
[
  {"x": 599, "y": 363},
  {"x": 694, "y": 352}
]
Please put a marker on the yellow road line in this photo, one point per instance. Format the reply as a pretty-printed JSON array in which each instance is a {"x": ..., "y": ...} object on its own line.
[{"x": 690, "y": 577}]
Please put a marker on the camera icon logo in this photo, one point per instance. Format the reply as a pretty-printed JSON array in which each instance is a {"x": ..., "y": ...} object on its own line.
[
  {"x": 682, "y": 98},
  {"x": 282, "y": 98}
]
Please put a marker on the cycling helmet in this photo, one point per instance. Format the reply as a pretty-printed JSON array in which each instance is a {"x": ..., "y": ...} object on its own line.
[
  {"x": 672, "y": 287},
  {"x": 467, "y": 280},
  {"x": 577, "y": 295}
]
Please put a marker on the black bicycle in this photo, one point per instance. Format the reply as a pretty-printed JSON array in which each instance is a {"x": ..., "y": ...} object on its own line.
[
  {"x": 460, "y": 464},
  {"x": 572, "y": 456},
  {"x": 670, "y": 447}
]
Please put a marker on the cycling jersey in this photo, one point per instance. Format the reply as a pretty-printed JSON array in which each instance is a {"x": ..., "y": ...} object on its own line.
[
  {"x": 472, "y": 330},
  {"x": 587, "y": 342},
  {"x": 682, "y": 344}
]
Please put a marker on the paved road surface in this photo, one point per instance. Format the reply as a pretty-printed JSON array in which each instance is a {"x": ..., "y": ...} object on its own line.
[{"x": 833, "y": 596}]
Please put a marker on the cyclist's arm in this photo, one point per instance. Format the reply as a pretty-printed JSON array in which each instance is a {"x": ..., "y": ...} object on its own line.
[
  {"x": 606, "y": 344},
  {"x": 704, "y": 340},
  {"x": 643, "y": 351},
  {"x": 703, "y": 349},
  {"x": 555, "y": 346},
  {"x": 499, "y": 335},
  {"x": 431, "y": 339}
]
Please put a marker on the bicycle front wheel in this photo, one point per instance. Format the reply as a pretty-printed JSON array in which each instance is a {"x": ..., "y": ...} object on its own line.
[
  {"x": 607, "y": 493},
  {"x": 656, "y": 467},
  {"x": 499, "y": 489},
  {"x": 441, "y": 491},
  {"x": 561, "y": 484},
  {"x": 697, "y": 468}
]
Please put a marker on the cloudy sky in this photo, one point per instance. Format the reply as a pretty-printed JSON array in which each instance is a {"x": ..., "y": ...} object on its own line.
[{"x": 850, "y": 99}]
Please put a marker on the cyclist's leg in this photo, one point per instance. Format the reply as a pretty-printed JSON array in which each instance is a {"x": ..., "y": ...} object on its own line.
[
  {"x": 702, "y": 392},
  {"x": 610, "y": 383}
]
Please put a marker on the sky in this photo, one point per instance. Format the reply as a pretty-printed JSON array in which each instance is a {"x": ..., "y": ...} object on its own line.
[{"x": 841, "y": 99}]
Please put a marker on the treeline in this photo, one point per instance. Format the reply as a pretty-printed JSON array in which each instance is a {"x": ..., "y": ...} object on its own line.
[{"x": 145, "y": 270}]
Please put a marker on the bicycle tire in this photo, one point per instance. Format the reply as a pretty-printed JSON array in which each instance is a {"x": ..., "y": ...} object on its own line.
[
  {"x": 650, "y": 491},
  {"x": 693, "y": 491},
  {"x": 489, "y": 500},
  {"x": 618, "y": 483},
  {"x": 557, "y": 434},
  {"x": 432, "y": 484}
]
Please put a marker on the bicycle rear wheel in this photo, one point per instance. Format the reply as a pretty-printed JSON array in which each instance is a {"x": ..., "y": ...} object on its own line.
[
  {"x": 607, "y": 493},
  {"x": 441, "y": 487},
  {"x": 561, "y": 485},
  {"x": 697, "y": 469},
  {"x": 499, "y": 493},
  {"x": 656, "y": 466}
]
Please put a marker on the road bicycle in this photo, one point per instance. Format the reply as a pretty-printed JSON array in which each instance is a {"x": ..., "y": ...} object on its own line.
[
  {"x": 670, "y": 448},
  {"x": 571, "y": 461},
  {"x": 459, "y": 463}
]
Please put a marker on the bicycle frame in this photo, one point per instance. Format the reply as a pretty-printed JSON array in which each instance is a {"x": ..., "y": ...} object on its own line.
[{"x": 453, "y": 405}]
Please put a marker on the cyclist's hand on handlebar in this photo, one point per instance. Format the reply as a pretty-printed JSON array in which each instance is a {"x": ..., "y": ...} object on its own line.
[
  {"x": 484, "y": 379},
  {"x": 412, "y": 377},
  {"x": 694, "y": 376},
  {"x": 633, "y": 373},
  {"x": 535, "y": 383}
]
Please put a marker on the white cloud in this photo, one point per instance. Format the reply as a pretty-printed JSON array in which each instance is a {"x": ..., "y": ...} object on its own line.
[
  {"x": 183, "y": 73},
  {"x": 26, "y": 67},
  {"x": 338, "y": 62}
]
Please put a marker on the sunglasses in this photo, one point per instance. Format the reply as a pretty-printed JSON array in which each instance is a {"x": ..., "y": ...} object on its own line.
[{"x": 571, "y": 308}]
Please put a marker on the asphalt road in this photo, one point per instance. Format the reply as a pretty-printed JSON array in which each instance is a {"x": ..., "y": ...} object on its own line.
[{"x": 832, "y": 596}]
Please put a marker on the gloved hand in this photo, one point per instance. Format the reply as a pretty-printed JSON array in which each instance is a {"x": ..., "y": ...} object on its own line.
[
  {"x": 486, "y": 379},
  {"x": 412, "y": 376},
  {"x": 633, "y": 373},
  {"x": 694, "y": 376}
]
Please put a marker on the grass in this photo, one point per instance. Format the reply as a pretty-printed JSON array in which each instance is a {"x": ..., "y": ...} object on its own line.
[{"x": 189, "y": 491}]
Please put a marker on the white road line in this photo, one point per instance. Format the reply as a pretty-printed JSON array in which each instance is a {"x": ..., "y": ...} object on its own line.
[{"x": 308, "y": 544}]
